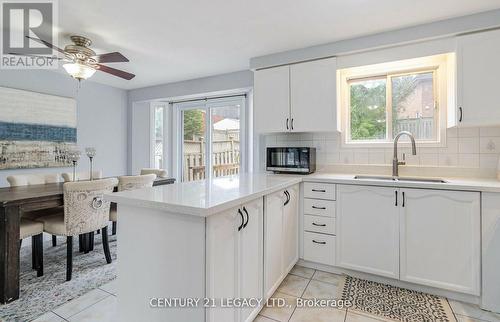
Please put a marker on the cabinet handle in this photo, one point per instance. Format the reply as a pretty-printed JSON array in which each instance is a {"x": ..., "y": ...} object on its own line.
[
  {"x": 242, "y": 219},
  {"x": 287, "y": 123},
  {"x": 317, "y": 242},
  {"x": 321, "y": 208},
  {"x": 461, "y": 113},
  {"x": 292, "y": 124},
  {"x": 403, "y": 199},
  {"x": 248, "y": 217},
  {"x": 318, "y": 190},
  {"x": 396, "y": 194},
  {"x": 319, "y": 225},
  {"x": 287, "y": 197}
]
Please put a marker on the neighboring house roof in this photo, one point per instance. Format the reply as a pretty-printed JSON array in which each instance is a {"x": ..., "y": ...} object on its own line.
[{"x": 227, "y": 125}]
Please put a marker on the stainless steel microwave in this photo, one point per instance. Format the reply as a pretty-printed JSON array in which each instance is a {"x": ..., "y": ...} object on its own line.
[{"x": 291, "y": 160}]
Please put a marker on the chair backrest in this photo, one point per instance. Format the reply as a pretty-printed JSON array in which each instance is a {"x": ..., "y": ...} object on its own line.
[
  {"x": 85, "y": 208},
  {"x": 160, "y": 173},
  {"x": 135, "y": 182},
  {"x": 82, "y": 175},
  {"x": 32, "y": 179}
]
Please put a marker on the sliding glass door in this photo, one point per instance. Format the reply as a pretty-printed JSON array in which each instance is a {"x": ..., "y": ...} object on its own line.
[{"x": 210, "y": 146}]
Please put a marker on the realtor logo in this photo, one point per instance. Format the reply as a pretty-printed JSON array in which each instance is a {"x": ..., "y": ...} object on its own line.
[{"x": 21, "y": 19}]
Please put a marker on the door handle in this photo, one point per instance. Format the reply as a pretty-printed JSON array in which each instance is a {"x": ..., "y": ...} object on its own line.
[
  {"x": 403, "y": 199},
  {"x": 318, "y": 190},
  {"x": 319, "y": 242},
  {"x": 319, "y": 225},
  {"x": 287, "y": 123},
  {"x": 242, "y": 219},
  {"x": 461, "y": 114},
  {"x": 396, "y": 202},
  {"x": 287, "y": 198},
  {"x": 248, "y": 217},
  {"x": 292, "y": 124},
  {"x": 321, "y": 208}
]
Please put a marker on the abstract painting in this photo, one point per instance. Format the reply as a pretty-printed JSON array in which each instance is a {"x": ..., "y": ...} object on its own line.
[{"x": 36, "y": 130}]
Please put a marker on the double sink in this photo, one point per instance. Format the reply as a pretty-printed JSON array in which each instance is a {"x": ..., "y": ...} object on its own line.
[{"x": 404, "y": 179}]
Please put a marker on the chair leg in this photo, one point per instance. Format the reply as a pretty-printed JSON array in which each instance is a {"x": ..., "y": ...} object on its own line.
[
  {"x": 113, "y": 228},
  {"x": 91, "y": 241},
  {"x": 86, "y": 246},
  {"x": 69, "y": 257},
  {"x": 34, "y": 242},
  {"x": 105, "y": 244},
  {"x": 54, "y": 241},
  {"x": 80, "y": 243},
  {"x": 39, "y": 254}
]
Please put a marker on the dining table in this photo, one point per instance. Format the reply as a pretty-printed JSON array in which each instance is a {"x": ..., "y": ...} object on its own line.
[{"x": 14, "y": 201}]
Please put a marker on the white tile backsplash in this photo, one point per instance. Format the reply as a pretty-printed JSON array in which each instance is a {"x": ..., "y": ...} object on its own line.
[{"x": 474, "y": 148}]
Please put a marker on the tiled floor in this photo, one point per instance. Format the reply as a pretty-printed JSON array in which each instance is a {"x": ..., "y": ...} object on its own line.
[{"x": 99, "y": 305}]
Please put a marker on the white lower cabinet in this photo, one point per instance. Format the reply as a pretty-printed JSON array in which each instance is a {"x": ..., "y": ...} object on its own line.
[
  {"x": 440, "y": 239},
  {"x": 280, "y": 236},
  {"x": 319, "y": 248},
  {"x": 368, "y": 229},
  {"x": 423, "y": 236},
  {"x": 234, "y": 248}
]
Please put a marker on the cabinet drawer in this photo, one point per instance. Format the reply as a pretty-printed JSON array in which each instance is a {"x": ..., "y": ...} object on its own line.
[
  {"x": 319, "y": 248},
  {"x": 319, "y": 224},
  {"x": 319, "y": 190},
  {"x": 319, "y": 207}
]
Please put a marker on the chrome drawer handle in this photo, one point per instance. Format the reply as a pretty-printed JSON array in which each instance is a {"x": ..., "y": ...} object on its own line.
[
  {"x": 321, "y": 208},
  {"x": 318, "y": 190},
  {"x": 319, "y": 225},
  {"x": 317, "y": 242}
]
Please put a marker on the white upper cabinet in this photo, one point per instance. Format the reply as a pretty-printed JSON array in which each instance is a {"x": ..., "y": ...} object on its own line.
[
  {"x": 313, "y": 92},
  {"x": 296, "y": 98},
  {"x": 272, "y": 100},
  {"x": 478, "y": 72},
  {"x": 440, "y": 239},
  {"x": 368, "y": 229}
]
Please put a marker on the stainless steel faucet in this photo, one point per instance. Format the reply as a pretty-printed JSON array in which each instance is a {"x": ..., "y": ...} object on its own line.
[{"x": 395, "y": 162}]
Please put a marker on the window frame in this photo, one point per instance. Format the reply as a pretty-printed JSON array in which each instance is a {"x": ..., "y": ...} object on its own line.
[{"x": 437, "y": 64}]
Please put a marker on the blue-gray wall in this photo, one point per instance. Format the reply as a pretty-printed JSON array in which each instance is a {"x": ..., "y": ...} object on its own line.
[{"x": 101, "y": 117}]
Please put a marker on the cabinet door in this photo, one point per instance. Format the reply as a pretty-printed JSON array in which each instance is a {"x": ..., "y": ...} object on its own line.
[
  {"x": 273, "y": 241},
  {"x": 313, "y": 88},
  {"x": 478, "y": 73},
  {"x": 291, "y": 229},
  {"x": 272, "y": 100},
  {"x": 252, "y": 256},
  {"x": 368, "y": 229},
  {"x": 222, "y": 262},
  {"x": 440, "y": 239}
]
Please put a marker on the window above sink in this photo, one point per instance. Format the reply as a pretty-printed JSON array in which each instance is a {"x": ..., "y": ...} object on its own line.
[{"x": 378, "y": 101}]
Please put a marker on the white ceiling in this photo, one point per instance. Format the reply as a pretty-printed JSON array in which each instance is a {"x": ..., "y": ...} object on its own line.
[{"x": 168, "y": 41}]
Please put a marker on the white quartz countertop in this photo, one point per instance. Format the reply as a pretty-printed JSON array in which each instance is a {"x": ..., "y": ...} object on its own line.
[{"x": 206, "y": 197}]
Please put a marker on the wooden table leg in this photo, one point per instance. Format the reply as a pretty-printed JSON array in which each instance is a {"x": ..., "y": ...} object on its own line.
[{"x": 9, "y": 253}]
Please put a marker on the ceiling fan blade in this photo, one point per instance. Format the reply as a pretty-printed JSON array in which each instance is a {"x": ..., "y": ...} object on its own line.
[
  {"x": 39, "y": 56},
  {"x": 48, "y": 44},
  {"x": 114, "y": 71},
  {"x": 114, "y": 57}
]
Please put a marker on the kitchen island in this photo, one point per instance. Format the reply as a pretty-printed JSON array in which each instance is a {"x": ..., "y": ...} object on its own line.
[{"x": 187, "y": 249}]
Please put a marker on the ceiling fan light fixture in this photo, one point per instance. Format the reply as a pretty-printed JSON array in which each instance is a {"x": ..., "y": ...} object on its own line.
[{"x": 79, "y": 71}]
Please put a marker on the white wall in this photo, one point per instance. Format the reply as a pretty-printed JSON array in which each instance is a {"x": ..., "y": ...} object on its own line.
[{"x": 101, "y": 118}]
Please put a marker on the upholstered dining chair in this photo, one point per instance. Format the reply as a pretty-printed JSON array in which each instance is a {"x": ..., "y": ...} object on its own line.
[
  {"x": 160, "y": 173},
  {"x": 33, "y": 229},
  {"x": 130, "y": 183},
  {"x": 34, "y": 179},
  {"x": 85, "y": 211},
  {"x": 82, "y": 176}
]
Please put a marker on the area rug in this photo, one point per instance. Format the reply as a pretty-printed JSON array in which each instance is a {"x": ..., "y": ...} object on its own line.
[
  {"x": 42, "y": 294},
  {"x": 394, "y": 303}
]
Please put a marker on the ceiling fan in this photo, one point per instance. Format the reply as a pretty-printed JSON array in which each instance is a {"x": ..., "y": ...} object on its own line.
[{"x": 82, "y": 62}]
